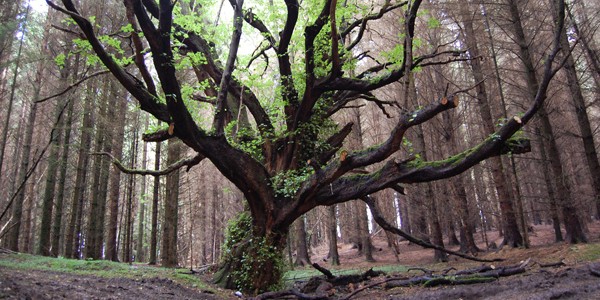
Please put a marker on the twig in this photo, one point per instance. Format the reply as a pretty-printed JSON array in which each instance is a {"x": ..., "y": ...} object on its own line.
[{"x": 73, "y": 86}]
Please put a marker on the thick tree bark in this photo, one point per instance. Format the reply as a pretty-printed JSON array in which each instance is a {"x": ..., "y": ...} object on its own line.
[
  {"x": 302, "y": 257},
  {"x": 171, "y": 207}
]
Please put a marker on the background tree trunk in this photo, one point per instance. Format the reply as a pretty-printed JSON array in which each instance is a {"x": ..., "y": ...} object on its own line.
[
  {"x": 115, "y": 180},
  {"x": 169, "y": 238},
  {"x": 333, "y": 255},
  {"x": 155, "y": 196}
]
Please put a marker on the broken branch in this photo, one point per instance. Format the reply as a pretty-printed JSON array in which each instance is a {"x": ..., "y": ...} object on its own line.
[{"x": 189, "y": 162}]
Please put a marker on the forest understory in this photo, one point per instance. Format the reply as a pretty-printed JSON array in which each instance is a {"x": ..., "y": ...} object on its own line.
[{"x": 551, "y": 271}]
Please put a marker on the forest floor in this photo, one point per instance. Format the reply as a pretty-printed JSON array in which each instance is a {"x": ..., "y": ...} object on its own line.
[{"x": 32, "y": 277}]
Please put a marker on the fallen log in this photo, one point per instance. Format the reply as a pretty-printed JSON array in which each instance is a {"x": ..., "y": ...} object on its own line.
[{"x": 477, "y": 275}]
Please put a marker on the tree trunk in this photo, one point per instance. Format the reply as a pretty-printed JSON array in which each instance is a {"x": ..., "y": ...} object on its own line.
[
  {"x": 140, "y": 253},
  {"x": 50, "y": 184},
  {"x": 74, "y": 229},
  {"x": 583, "y": 120},
  {"x": 302, "y": 257},
  {"x": 11, "y": 99},
  {"x": 255, "y": 261},
  {"x": 115, "y": 181},
  {"x": 57, "y": 225},
  {"x": 333, "y": 256},
  {"x": 512, "y": 236},
  {"x": 364, "y": 234},
  {"x": 155, "y": 194},
  {"x": 95, "y": 228},
  {"x": 550, "y": 188},
  {"x": 127, "y": 251},
  {"x": 17, "y": 211},
  {"x": 573, "y": 226},
  {"x": 169, "y": 238}
]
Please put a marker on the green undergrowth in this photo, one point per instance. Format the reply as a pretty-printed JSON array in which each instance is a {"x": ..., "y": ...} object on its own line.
[
  {"x": 587, "y": 252},
  {"x": 100, "y": 268},
  {"x": 303, "y": 274}
]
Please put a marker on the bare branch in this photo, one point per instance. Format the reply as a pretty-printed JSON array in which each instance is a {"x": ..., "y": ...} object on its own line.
[
  {"x": 378, "y": 217},
  {"x": 148, "y": 102},
  {"x": 363, "y": 22},
  {"x": 188, "y": 162},
  {"x": 219, "y": 121},
  {"x": 70, "y": 87}
]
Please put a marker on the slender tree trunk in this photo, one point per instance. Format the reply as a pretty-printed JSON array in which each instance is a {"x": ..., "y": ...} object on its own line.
[
  {"x": 333, "y": 255},
  {"x": 140, "y": 255},
  {"x": 588, "y": 44},
  {"x": 74, "y": 229},
  {"x": 95, "y": 228},
  {"x": 512, "y": 236},
  {"x": 583, "y": 120},
  {"x": 115, "y": 182},
  {"x": 169, "y": 238},
  {"x": 302, "y": 257},
  {"x": 50, "y": 184},
  {"x": 17, "y": 211},
  {"x": 130, "y": 196},
  {"x": 11, "y": 99},
  {"x": 550, "y": 188},
  {"x": 155, "y": 194},
  {"x": 57, "y": 225},
  {"x": 574, "y": 230}
]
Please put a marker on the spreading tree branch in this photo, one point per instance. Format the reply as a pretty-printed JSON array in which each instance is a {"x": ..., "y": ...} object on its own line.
[{"x": 148, "y": 102}]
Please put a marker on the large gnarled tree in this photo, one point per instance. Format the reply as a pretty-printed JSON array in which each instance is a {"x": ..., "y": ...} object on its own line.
[{"x": 286, "y": 167}]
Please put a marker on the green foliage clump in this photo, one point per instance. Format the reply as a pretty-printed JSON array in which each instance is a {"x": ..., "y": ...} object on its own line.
[
  {"x": 252, "y": 256},
  {"x": 245, "y": 139},
  {"x": 287, "y": 183}
]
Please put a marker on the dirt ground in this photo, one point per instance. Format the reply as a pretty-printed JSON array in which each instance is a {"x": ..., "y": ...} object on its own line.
[
  {"x": 571, "y": 281},
  {"x": 17, "y": 284}
]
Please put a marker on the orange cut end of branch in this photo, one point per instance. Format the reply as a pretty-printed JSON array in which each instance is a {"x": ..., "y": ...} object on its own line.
[
  {"x": 517, "y": 119},
  {"x": 171, "y": 128},
  {"x": 343, "y": 155}
]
